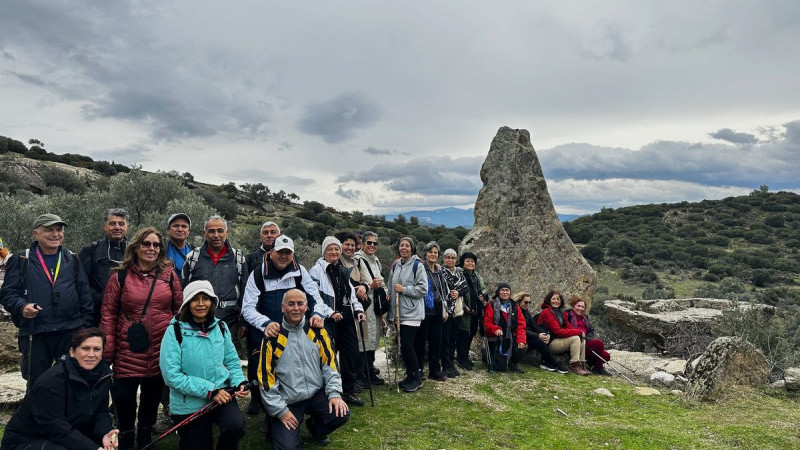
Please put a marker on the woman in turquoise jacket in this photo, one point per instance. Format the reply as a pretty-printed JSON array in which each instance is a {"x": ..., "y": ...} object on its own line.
[{"x": 198, "y": 362}]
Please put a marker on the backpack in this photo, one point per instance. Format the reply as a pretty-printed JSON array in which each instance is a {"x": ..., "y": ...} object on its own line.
[
  {"x": 194, "y": 256},
  {"x": 176, "y": 327},
  {"x": 24, "y": 258},
  {"x": 379, "y": 297}
]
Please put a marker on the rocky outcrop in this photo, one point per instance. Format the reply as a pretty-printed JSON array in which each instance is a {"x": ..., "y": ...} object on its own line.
[
  {"x": 791, "y": 378},
  {"x": 642, "y": 366},
  {"x": 517, "y": 235},
  {"x": 29, "y": 171},
  {"x": 9, "y": 348},
  {"x": 727, "y": 362},
  {"x": 674, "y": 325}
]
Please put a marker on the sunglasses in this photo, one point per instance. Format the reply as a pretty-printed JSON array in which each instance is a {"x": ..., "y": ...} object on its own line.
[
  {"x": 371, "y": 243},
  {"x": 147, "y": 244}
]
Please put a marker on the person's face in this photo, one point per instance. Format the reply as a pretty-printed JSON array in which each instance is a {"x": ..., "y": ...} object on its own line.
[
  {"x": 215, "y": 234},
  {"x": 88, "y": 352},
  {"x": 432, "y": 255},
  {"x": 371, "y": 245},
  {"x": 268, "y": 235},
  {"x": 505, "y": 294},
  {"x": 555, "y": 301},
  {"x": 450, "y": 261},
  {"x": 579, "y": 308},
  {"x": 294, "y": 307},
  {"x": 199, "y": 307},
  {"x": 469, "y": 264},
  {"x": 281, "y": 259},
  {"x": 115, "y": 228},
  {"x": 147, "y": 251},
  {"x": 404, "y": 249},
  {"x": 349, "y": 247},
  {"x": 525, "y": 302},
  {"x": 49, "y": 238},
  {"x": 178, "y": 230},
  {"x": 332, "y": 253}
]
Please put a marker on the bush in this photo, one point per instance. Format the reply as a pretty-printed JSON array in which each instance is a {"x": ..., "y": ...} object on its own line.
[
  {"x": 66, "y": 180},
  {"x": 594, "y": 253}
]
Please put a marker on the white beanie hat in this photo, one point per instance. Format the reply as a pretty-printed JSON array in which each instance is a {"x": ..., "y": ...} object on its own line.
[
  {"x": 196, "y": 287},
  {"x": 330, "y": 240}
]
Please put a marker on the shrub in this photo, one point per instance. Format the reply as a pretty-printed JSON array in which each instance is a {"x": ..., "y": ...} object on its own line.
[{"x": 594, "y": 253}]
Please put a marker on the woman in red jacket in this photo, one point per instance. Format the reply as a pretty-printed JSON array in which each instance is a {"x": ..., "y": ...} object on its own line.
[
  {"x": 141, "y": 297},
  {"x": 596, "y": 354},
  {"x": 505, "y": 331},
  {"x": 563, "y": 335}
]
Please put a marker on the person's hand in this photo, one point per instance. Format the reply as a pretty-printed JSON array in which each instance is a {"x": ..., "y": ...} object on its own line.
[
  {"x": 544, "y": 337},
  {"x": 521, "y": 345},
  {"x": 289, "y": 420},
  {"x": 337, "y": 407},
  {"x": 498, "y": 333},
  {"x": 361, "y": 317},
  {"x": 454, "y": 294},
  {"x": 31, "y": 310},
  {"x": 445, "y": 316},
  {"x": 376, "y": 283},
  {"x": 222, "y": 397},
  {"x": 337, "y": 316},
  {"x": 316, "y": 322},
  {"x": 243, "y": 391},
  {"x": 110, "y": 441},
  {"x": 361, "y": 292},
  {"x": 272, "y": 329},
  {"x": 398, "y": 288}
]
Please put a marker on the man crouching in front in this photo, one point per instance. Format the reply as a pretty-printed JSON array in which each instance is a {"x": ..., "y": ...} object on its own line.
[{"x": 298, "y": 376}]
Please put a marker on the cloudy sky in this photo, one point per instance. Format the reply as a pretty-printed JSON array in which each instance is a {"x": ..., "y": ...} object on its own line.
[{"x": 391, "y": 106}]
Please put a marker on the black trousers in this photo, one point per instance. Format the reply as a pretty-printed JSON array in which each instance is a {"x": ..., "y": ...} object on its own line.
[
  {"x": 516, "y": 353},
  {"x": 41, "y": 351},
  {"x": 535, "y": 344},
  {"x": 197, "y": 434},
  {"x": 430, "y": 333},
  {"x": 407, "y": 334},
  {"x": 465, "y": 337},
  {"x": 40, "y": 444},
  {"x": 345, "y": 343},
  {"x": 123, "y": 392},
  {"x": 324, "y": 422},
  {"x": 449, "y": 338}
]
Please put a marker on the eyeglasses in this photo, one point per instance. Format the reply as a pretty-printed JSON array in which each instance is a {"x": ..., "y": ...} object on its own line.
[
  {"x": 371, "y": 243},
  {"x": 148, "y": 244}
]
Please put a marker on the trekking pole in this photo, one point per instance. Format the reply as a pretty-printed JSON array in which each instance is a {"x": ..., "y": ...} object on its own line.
[
  {"x": 399, "y": 344},
  {"x": 208, "y": 407},
  {"x": 488, "y": 354},
  {"x": 613, "y": 367},
  {"x": 366, "y": 366}
]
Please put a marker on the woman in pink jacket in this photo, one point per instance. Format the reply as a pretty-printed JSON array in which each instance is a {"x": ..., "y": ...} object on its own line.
[{"x": 141, "y": 297}]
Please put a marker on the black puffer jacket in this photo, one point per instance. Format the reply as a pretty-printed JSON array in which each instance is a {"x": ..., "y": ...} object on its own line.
[{"x": 63, "y": 408}]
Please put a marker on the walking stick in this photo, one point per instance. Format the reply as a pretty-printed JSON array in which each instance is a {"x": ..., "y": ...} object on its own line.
[
  {"x": 613, "y": 367},
  {"x": 366, "y": 366},
  {"x": 488, "y": 354},
  {"x": 208, "y": 407},
  {"x": 397, "y": 356}
]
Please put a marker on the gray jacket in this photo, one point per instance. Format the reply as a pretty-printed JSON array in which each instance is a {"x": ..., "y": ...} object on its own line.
[
  {"x": 300, "y": 371},
  {"x": 415, "y": 286}
]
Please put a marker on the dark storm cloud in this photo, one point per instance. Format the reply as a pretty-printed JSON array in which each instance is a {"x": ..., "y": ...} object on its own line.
[
  {"x": 337, "y": 119},
  {"x": 383, "y": 151},
  {"x": 726, "y": 134},
  {"x": 268, "y": 178},
  {"x": 350, "y": 194},
  {"x": 442, "y": 175}
]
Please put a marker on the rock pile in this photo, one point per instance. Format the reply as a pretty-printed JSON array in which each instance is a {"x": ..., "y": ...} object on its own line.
[{"x": 517, "y": 235}]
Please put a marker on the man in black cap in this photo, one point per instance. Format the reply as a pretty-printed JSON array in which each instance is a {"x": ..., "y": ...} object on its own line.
[
  {"x": 48, "y": 295},
  {"x": 99, "y": 257}
]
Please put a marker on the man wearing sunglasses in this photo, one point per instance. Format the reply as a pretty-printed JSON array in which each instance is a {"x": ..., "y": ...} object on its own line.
[{"x": 99, "y": 257}]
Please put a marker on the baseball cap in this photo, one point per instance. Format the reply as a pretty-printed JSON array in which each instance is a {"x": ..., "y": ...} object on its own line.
[
  {"x": 45, "y": 220},
  {"x": 283, "y": 242},
  {"x": 177, "y": 216}
]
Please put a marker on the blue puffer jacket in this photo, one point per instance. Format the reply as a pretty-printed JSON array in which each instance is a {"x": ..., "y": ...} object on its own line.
[
  {"x": 203, "y": 362},
  {"x": 73, "y": 306}
]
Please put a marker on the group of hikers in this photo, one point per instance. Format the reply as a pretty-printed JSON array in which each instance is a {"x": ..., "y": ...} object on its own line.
[{"x": 155, "y": 316}]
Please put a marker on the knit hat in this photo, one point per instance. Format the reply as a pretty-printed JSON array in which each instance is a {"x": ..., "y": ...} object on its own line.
[
  {"x": 330, "y": 240},
  {"x": 196, "y": 287},
  {"x": 466, "y": 255},
  {"x": 501, "y": 286}
]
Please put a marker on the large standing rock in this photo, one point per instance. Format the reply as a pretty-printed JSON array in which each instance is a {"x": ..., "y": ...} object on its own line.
[
  {"x": 727, "y": 362},
  {"x": 517, "y": 235}
]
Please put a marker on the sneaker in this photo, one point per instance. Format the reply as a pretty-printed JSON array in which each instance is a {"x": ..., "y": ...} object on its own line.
[
  {"x": 352, "y": 399},
  {"x": 601, "y": 371},
  {"x": 451, "y": 372},
  {"x": 437, "y": 376},
  {"x": 561, "y": 369},
  {"x": 547, "y": 367},
  {"x": 414, "y": 384},
  {"x": 516, "y": 368}
]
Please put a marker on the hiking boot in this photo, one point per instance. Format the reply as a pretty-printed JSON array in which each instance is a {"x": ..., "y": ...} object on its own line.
[
  {"x": 451, "y": 372},
  {"x": 352, "y": 399},
  {"x": 577, "y": 368},
  {"x": 361, "y": 384},
  {"x": 375, "y": 371},
  {"x": 376, "y": 380},
  {"x": 404, "y": 381},
  {"x": 601, "y": 371},
  {"x": 516, "y": 368},
  {"x": 466, "y": 365},
  {"x": 144, "y": 436},
  {"x": 414, "y": 384},
  {"x": 547, "y": 367},
  {"x": 437, "y": 376},
  {"x": 421, "y": 375}
]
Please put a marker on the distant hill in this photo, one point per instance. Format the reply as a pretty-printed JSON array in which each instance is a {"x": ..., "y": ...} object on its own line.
[{"x": 452, "y": 217}]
